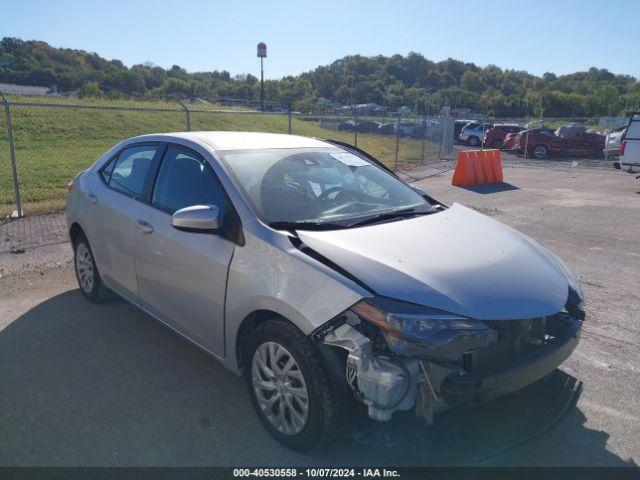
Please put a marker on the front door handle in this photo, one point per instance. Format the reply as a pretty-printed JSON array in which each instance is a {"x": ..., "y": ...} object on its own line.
[
  {"x": 144, "y": 226},
  {"x": 92, "y": 198}
]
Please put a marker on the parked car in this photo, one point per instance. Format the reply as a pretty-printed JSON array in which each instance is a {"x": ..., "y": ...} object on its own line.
[
  {"x": 367, "y": 126},
  {"x": 311, "y": 269},
  {"x": 613, "y": 141},
  {"x": 406, "y": 129},
  {"x": 431, "y": 129},
  {"x": 387, "y": 129},
  {"x": 473, "y": 133},
  {"x": 509, "y": 138},
  {"x": 507, "y": 143},
  {"x": 629, "y": 159},
  {"x": 458, "y": 125},
  {"x": 568, "y": 140},
  {"x": 347, "y": 126},
  {"x": 364, "y": 126},
  {"x": 494, "y": 137}
]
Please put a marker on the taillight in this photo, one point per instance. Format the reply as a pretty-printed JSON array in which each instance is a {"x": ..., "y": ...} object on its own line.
[
  {"x": 622, "y": 146},
  {"x": 69, "y": 185}
]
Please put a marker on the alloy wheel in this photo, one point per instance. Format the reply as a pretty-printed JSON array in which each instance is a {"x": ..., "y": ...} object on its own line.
[
  {"x": 280, "y": 388},
  {"x": 84, "y": 267},
  {"x": 540, "y": 152}
]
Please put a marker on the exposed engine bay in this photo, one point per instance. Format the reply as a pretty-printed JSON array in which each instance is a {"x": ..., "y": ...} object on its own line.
[{"x": 390, "y": 372}]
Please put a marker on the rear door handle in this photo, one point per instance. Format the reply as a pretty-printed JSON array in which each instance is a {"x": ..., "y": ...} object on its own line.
[
  {"x": 92, "y": 198},
  {"x": 144, "y": 226}
]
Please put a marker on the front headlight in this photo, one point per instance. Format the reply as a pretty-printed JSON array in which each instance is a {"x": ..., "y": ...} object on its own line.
[{"x": 404, "y": 322}]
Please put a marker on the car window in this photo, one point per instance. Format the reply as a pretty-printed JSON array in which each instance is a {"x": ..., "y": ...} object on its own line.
[
  {"x": 128, "y": 171},
  {"x": 633, "y": 130},
  {"x": 316, "y": 185},
  {"x": 185, "y": 180}
]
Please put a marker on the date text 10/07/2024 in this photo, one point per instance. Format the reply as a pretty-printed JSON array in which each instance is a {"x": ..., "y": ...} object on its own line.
[{"x": 317, "y": 472}]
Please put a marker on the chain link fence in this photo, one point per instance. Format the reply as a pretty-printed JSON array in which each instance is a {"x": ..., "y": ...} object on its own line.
[
  {"x": 49, "y": 143},
  {"x": 52, "y": 142}
]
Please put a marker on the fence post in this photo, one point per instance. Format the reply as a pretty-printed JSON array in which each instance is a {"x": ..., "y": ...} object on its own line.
[
  {"x": 355, "y": 129},
  {"x": 12, "y": 154},
  {"x": 424, "y": 135},
  {"x": 187, "y": 114},
  {"x": 289, "y": 119},
  {"x": 397, "y": 142}
]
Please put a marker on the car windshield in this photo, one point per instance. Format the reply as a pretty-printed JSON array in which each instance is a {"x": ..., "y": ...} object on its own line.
[{"x": 329, "y": 187}]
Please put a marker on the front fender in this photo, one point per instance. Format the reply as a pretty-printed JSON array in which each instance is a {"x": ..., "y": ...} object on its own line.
[{"x": 267, "y": 277}]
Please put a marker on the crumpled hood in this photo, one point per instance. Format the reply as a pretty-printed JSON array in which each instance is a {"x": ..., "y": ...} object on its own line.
[{"x": 456, "y": 260}]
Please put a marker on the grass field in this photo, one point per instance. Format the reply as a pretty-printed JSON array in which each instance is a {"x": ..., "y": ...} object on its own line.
[{"x": 52, "y": 144}]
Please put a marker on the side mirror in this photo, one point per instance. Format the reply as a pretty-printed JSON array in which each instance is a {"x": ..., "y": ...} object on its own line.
[{"x": 198, "y": 218}]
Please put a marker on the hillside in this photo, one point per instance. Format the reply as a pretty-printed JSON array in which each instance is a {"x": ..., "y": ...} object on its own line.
[{"x": 392, "y": 81}]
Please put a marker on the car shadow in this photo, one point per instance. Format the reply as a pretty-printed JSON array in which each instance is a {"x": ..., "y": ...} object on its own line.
[
  {"x": 491, "y": 188},
  {"x": 101, "y": 385}
]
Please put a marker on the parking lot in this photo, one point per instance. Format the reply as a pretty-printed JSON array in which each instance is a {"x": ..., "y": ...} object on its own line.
[{"x": 84, "y": 384}]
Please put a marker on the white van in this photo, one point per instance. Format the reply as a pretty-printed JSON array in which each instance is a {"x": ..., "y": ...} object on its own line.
[{"x": 630, "y": 147}]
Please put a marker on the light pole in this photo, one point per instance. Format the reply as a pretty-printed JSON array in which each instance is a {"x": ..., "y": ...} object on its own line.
[{"x": 262, "y": 54}]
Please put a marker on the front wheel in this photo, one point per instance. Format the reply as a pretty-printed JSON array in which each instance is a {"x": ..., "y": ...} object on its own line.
[
  {"x": 540, "y": 152},
  {"x": 497, "y": 144},
  {"x": 473, "y": 141},
  {"x": 290, "y": 387}
]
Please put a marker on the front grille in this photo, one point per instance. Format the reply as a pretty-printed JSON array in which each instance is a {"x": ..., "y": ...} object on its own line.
[{"x": 515, "y": 338}]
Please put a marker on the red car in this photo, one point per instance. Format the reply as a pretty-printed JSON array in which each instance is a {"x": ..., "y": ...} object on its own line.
[
  {"x": 494, "y": 137},
  {"x": 507, "y": 143},
  {"x": 568, "y": 140}
]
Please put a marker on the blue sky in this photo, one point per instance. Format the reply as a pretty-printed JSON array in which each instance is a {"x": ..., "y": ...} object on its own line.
[{"x": 560, "y": 36}]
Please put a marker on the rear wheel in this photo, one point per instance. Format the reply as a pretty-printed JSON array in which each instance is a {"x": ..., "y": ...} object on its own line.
[
  {"x": 87, "y": 274},
  {"x": 290, "y": 386},
  {"x": 540, "y": 152}
]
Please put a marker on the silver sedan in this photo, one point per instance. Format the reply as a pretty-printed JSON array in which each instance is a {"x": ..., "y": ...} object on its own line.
[{"x": 314, "y": 271}]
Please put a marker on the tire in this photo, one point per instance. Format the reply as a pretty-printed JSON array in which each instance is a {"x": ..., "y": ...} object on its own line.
[
  {"x": 473, "y": 141},
  {"x": 87, "y": 274},
  {"x": 311, "y": 416},
  {"x": 497, "y": 144},
  {"x": 540, "y": 152}
]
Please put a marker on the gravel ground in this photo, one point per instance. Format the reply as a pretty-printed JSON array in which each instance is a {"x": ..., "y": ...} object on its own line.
[{"x": 105, "y": 385}]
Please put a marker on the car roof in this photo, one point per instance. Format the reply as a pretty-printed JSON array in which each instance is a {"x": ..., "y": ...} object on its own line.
[{"x": 240, "y": 140}]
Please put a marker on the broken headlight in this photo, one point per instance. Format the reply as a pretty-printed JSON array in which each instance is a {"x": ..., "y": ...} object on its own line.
[{"x": 415, "y": 330}]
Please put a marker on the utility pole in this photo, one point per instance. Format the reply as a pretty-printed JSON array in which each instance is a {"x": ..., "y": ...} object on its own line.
[
  {"x": 626, "y": 105},
  {"x": 262, "y": 53}
]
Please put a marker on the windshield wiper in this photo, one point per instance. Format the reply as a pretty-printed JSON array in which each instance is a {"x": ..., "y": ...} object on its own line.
[
  {"x": 387, "y": 216},
  {"x": 306, "y": 225}
]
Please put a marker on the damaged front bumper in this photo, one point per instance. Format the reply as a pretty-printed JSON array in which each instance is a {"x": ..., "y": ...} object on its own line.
[
  {"x": 470, "y": 388},
  {"x": 389, "y": 374}
]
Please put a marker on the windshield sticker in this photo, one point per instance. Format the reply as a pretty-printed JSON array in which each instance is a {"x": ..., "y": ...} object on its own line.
[{"x": 349, "y": 159}]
